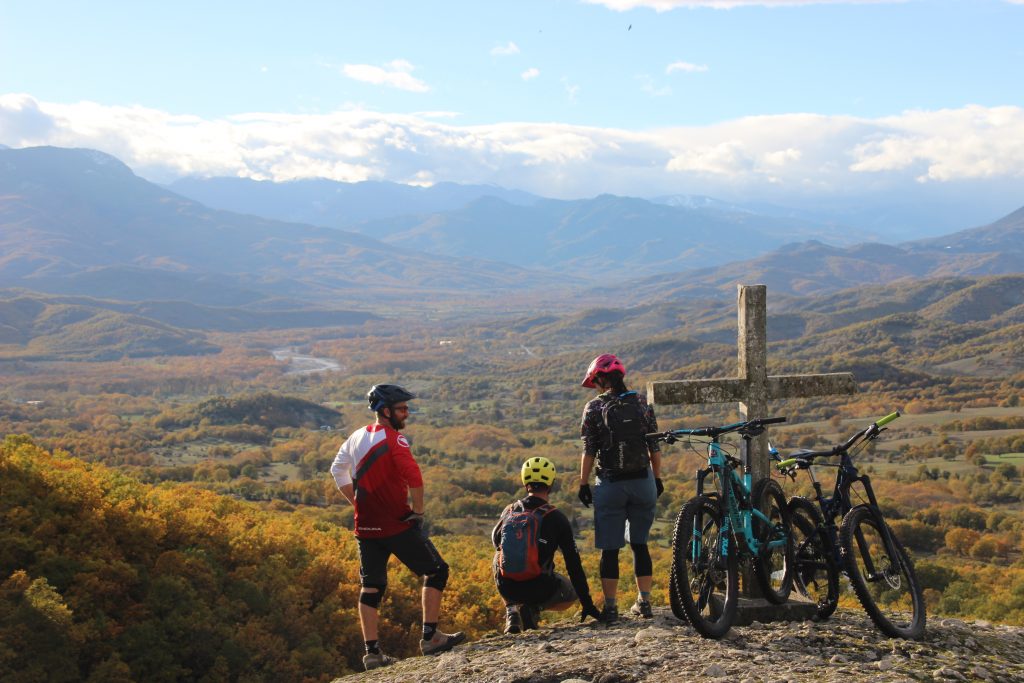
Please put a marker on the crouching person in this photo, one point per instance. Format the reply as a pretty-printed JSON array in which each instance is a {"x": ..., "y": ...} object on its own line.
[
  {"x": 525, "y": 538},
  {"x": 375, "y": 471}
]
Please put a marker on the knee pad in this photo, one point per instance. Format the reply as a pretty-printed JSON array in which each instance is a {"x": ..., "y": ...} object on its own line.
[
  {"x": 642, "y": 565},
  {"x": 438, "y": 579},
  {"x": 372, "y": 599},
  {"x": 610, "y": 563}
]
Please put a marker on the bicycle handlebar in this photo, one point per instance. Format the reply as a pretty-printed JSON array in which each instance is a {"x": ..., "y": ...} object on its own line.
[
  {"x": 806, "y": 457},
  {"x": 714, "y": 432},
  {"x": 888, "y": 418}
]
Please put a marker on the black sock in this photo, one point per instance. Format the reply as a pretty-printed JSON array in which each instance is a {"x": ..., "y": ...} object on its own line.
[
  {"x": 429, "y": 630},
  {"x": 371, "y": 647}
]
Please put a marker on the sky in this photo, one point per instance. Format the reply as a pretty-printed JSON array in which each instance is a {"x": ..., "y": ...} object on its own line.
[{"x": 759, "y": 99}]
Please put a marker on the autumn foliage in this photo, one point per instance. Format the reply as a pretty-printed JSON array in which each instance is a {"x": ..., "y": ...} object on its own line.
[{"x": 104, "y": 578}]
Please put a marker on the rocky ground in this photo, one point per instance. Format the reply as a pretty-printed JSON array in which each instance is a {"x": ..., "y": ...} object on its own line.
[{"x": 846, "y": 648}]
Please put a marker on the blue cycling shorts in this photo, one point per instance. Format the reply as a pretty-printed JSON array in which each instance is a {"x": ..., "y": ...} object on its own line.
[{"x": 623, "y": 511}]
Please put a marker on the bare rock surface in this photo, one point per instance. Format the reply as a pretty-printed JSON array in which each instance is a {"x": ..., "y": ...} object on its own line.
[{"x": 847, "y": 648}]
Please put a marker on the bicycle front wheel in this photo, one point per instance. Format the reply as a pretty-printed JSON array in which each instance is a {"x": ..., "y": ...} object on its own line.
[
  {"x": 773, "y": 565},
  {"x": 885, "y": 583},
  {"x": 815, "y": 572},
  {"x": 705, "y": 572}
]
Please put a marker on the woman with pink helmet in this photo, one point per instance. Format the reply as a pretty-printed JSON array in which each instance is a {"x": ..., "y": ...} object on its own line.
[{"x": 627, "y": 478}]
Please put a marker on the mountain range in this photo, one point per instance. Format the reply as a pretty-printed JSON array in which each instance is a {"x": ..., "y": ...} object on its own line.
[
  {"x": 586, "y": 237},
  {"x": 72, "y": 218},
  {"x": 607, "y": 236},
  {"x": 80, "y": 222},
  {"x": 816, "y": 268},
  {"x": 670, "y": 246},
  {"x": 318, "y": 201}
]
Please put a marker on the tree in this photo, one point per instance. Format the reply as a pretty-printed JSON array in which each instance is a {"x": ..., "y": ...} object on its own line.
[
  {"x": 960, "y": 540},
  {"x": 985, "y": 548}
]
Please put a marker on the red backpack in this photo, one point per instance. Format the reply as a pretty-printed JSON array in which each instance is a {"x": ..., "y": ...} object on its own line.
[{"x": 518, "y": 554}]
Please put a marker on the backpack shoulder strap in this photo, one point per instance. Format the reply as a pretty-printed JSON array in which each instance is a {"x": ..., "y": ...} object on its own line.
[
  {"x": 605, "y": 405},
  {"x": 370, "y": 458},
  {"x": 512, "y": 508},
  {"x": 543, "y": 510}
]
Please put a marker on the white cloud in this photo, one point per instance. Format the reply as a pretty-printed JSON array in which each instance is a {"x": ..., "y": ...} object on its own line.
[
  {"x": 438, "y": 114},
  {"x": 666, "y": 5},
  {"x": 804, "y": 153},
  {"x": 781, "y": 157},
  {"x": 685, "y": 67},
  {"x": 648, "y": 85},
  {"x": 530, "y": 73},
  {"x": 396, "y": 74},
  {"x": 572, "y": 90},
  {"x": 730, "y": 157},
  {"x": 947, "y": 144},
  {"x": 505, "y": 50}
]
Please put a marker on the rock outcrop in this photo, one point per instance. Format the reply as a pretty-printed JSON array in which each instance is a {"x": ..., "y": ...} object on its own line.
[{"x": 846, "y": 648}]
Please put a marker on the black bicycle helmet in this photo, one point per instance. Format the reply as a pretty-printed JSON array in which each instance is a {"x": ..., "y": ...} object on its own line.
[{"x": 383, "y": 395}]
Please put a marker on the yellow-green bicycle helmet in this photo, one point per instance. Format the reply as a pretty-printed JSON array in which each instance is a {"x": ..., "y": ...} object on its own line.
[{"x": 538, "y": 470}]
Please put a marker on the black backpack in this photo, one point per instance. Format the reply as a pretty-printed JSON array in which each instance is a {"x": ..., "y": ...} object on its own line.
[{"x": 625, "y": 443}]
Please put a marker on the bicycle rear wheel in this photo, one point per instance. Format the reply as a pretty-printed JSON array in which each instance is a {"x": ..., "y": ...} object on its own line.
[
  {"x": 885, "y": 583},
  {"x": 815, "y": 572},
  {"x": 773, "y": 565},
  {"x": 705, "y": 572}
]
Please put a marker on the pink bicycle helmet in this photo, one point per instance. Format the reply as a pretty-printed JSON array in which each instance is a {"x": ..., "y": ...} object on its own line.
[{"x": 606, "y": 362}]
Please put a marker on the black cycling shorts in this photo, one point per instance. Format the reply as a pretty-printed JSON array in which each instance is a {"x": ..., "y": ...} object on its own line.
[
  {"x": 412, "y": 549},
  {"x": 543, "y": 591}
]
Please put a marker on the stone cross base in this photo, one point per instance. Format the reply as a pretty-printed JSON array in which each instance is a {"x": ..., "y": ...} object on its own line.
[{"x": 756, "y": 609}]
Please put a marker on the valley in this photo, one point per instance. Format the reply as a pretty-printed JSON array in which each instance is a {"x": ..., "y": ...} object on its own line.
[{"x": 187, "y": 401}]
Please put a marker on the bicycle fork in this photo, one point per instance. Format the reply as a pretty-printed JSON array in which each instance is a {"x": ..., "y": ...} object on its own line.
[
  {"x": 890, "y": 574},
  {"x": 708, "y": 565}
]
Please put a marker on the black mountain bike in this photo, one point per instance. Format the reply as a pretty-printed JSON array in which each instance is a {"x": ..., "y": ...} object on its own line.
[
  {"x": 862, "y": 545},
  {"x": 731, "y": 521}
]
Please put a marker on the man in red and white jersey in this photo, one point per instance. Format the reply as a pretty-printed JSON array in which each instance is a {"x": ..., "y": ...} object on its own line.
[{"x": 375, "y": 471}]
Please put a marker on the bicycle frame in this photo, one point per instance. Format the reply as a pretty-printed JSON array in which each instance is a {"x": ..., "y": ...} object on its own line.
[
  {"x": 734, "y": 492},
  {"x": 839, "y": 503},
  {"x": 705, "y": 577}
]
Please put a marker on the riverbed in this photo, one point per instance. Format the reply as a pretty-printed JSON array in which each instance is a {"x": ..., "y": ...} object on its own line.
[{"x": 301, "y": 364}]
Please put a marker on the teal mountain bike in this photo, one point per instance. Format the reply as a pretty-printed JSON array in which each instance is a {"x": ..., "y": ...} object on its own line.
[
  {"x": 862, "y": 545},
  {"x": 728, "y": 523}
]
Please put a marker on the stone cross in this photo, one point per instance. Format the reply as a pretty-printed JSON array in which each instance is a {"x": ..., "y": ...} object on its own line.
[{"x": 753, "y": 387}]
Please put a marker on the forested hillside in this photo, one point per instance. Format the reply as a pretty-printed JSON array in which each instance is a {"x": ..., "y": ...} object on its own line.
[
  {"x": 814, "y": 268},
  {"x": 105, "y": 579},
  {"x": 34, "y": 328}
]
